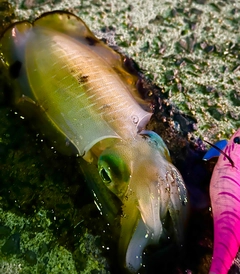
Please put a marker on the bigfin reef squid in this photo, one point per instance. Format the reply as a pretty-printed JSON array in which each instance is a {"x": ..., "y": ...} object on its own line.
[
  {"x": 225, "y": 203},
  {"x": 81, "y": 88}
]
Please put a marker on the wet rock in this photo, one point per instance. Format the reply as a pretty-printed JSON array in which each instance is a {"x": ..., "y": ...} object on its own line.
[
  {"x": 6, "y": 14},
  {"x": 196, "y": 11},
  {"x": 41, "y": 268},
  {"x": 237, "y": 68},
  {"x": 188, "y": 43},
  {"x": 30, "y": 257},
  {"x": 43, "y": 249},
  {"x": 235, "y": 97},
  {"x": 235, "y": 11},
  {"x": 215, "y": 7},
  {"x": 12, "y": 245},
  {"x": 201, "y": 2},
  {"x": 174, "y": 12},
  {"x": 209, "y": 49},
  {"x": 234, "y": 115},
  {"x": 210, "y": 89},
  {"x": 157, "y": 20},
  {"x": 4, "y": 231},
  {"x": 216, "y": 113}
]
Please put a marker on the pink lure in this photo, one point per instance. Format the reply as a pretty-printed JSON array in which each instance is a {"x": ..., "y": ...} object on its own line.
[{"x": 225, "y": 200}]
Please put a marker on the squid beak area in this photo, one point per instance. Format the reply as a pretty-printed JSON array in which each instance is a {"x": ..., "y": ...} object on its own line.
[
  {"x": 130, "y": 240},
  {"x": 153, "y": 214},
  {"x": 140, "y": 226}
]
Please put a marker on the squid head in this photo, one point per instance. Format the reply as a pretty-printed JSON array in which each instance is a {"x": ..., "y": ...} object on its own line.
[{"x": 139, "y": 172}]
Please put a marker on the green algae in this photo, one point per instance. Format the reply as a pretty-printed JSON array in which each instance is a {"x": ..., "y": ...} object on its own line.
[
  {"x": 36, "y": 203},
  {"x": 89, "y": 257},
  {"x": 48, "y": 255},
  {"x": 16, "y": 263}
]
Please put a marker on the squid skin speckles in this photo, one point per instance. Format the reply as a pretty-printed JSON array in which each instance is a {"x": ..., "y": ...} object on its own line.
[{"x": 82, "y": 92}]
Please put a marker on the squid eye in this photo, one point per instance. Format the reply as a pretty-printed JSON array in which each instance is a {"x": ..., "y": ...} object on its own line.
[
  {"x": 114, "y": 172},
  {"x": 112, "y": 168},
  {"x": 105, "y": 176},
  {"x": 236, "y": 140}
]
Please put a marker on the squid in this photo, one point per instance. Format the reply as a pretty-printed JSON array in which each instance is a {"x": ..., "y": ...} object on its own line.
[
  {"x": 87, "y": 101},
  {"x": 225, "y": 202}
]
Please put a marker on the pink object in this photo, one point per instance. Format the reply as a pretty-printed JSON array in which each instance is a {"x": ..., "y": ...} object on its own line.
[{"x": 225, "y": 200}]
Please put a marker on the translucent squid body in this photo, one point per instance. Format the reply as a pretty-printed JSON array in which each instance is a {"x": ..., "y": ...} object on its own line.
[
  {"x": 225, "y": 201},
  {"x": 81, "y": 88}
]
